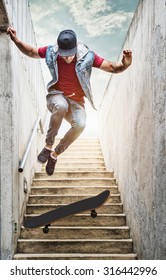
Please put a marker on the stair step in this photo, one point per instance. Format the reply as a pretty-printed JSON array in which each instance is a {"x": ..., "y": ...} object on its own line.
[
  {"x": 81, "y": 155},
  {"x": 75, "y": 182},
  {"x": 77, "y": 233},
  {"x": 47, "y": 190},
  {"x": 86, "y": 220},
  {"x": 75, "y": 174},
  {"x": 116, "y": 246},
  {"x": 71, "y": 167},
  {"x": 76, "y": 256},
  {"x": 85, "y": 142},
  {"x": 85, "y": 145},
  {"x": 84, "y": 149},
  {"x": 90, "y": 166},
  {"x": 111, "y": 208},
  {"x": 92, "y": 160},
  {"x": 84, "y": 139},
  {"x": 80, "y": 173},
  {"x": 66, "y": 199}
]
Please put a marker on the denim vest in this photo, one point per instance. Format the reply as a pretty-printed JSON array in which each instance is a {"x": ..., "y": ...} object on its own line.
[{"x": 83, "y": 68}]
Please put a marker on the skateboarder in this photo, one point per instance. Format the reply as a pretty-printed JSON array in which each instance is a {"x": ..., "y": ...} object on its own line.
[{"x": 70, "y": 64}]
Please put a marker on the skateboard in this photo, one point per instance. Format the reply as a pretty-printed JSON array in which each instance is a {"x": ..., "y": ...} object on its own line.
[{"x": 88, "y": 204}]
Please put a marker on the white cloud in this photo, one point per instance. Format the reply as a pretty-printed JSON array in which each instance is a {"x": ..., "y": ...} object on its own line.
[
  {"x": 39, "y": 12},
  {"x": 96, "y": 16}
]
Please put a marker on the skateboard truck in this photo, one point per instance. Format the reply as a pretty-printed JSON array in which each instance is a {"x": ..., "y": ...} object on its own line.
[
  {"x": 93, "y": 213},
  {"x": 46, "y": 229}
]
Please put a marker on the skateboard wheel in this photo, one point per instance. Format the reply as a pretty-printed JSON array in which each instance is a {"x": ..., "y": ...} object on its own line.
[
  {"x": 46, "y": 230},
  {"x": 93, "y": 214}
]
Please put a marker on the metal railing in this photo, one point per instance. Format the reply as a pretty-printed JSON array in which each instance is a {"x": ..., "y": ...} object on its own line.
[{"x": 24, "y": 159}]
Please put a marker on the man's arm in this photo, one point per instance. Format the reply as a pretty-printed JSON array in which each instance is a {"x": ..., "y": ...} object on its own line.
[
  {"x": 23, "y": 47},
  {"x": 118, "y": 67}
]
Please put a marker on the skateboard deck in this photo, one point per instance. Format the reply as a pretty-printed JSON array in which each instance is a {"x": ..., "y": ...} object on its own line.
[{"x": 88, "y": 204}]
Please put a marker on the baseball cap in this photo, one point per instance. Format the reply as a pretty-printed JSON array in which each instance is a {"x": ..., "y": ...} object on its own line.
[{"x": 67, "y": 43}]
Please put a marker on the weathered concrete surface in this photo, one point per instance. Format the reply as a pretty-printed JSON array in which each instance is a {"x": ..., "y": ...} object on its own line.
[
  {"x": 22, "y": 100},
  {"x": 133, "y": 130},
  {"x": 3, "y": 16}
]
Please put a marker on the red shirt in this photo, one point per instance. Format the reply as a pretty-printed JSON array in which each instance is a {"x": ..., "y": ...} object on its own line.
[{"x": 67, "y": 78}]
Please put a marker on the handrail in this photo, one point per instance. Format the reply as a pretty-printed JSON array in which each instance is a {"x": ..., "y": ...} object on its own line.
[{"x": 23, "y": 161}]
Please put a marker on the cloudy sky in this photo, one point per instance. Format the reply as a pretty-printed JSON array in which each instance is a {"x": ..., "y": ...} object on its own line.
[{"x": 101, "y": 24}]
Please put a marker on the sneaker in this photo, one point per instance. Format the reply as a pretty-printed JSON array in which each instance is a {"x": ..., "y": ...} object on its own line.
[
  {"x": 44, "y": 155},
  {"x": 50, "y": 165}
]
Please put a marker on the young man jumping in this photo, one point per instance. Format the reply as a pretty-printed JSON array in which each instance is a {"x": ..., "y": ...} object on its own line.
[{"x": 70, "y": 64}]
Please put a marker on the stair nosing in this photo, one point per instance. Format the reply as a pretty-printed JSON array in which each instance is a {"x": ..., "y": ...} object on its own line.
[
  {"x": 75, "y": 254},
  {"x": 83, "y": 214},
  {"x": 69, "y": 195},
  {"x": 64, "y": 204},
  {"x": 82, "y": 178},
  {"x": 75, "y": 172},
  {"x": 74, "y": 187},
  {"x": 76, "y": 240},
  {"x": 86, "y": 227},
  {"x": 73, "y": 179}
]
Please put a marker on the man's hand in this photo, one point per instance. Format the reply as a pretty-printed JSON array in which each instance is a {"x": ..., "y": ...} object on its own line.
[
  {"x": 12, "y": 32},
  {"x": 118, "y": 67},
  {"x": 23, "y": 47},
  {"x": 127, "y": 58}
]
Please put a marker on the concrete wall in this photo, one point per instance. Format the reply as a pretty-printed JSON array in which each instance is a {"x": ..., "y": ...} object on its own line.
[
  {"x": 22, "y": 100},
  {"x": 133, "y": 130}
]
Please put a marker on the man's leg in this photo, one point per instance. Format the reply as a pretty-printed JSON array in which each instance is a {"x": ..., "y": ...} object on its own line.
[
  {"x": 76, "y": 116},
  {"x": 58, "y": 106}
]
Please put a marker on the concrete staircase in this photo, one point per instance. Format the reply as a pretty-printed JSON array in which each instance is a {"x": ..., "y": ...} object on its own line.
[{"x": 80, "y": 173}]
